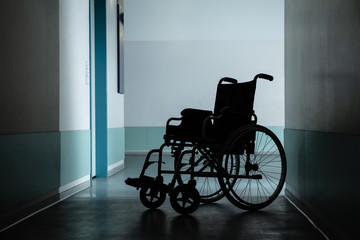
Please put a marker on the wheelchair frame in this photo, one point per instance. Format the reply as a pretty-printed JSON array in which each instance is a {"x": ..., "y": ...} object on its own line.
[{"x": 248, "y": 173}]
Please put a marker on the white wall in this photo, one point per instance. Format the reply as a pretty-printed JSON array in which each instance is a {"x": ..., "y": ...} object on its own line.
[
  {"x": 176, "y": 52},
  {"x": 115, "y": 100},
  {"x": 74, "y": 65}
]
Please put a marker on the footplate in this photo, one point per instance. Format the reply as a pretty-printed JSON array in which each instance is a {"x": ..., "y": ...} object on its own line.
[
  {"x": 138, "y": 182},
  {"x": 147, "y": 181}
]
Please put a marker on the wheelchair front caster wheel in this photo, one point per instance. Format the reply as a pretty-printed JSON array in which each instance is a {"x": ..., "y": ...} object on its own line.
[
  {"x": 152, "y": 197},
  {"x": 185, "y": 199}
]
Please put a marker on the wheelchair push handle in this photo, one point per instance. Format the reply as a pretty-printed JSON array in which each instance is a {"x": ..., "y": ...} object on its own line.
[
  {"x": 234, "y": 81},
  {"x": 228, "y": 80},
  {"x": 264, "y": 76}
]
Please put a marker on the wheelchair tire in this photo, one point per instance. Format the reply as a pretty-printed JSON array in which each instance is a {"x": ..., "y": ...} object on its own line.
[
  {"x": 152, "y": 197},
  {"x": 185, "y": 199},
  {"x": 262, "y": 164},
  {"x": 208, "y": 187}
]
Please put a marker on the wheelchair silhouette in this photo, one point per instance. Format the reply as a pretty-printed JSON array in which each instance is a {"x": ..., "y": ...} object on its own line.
[{"x": 217, "y": 154}]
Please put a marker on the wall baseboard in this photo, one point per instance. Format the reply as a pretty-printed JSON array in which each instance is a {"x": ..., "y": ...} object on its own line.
[
  {"x": 18, "y": 214},
  {"x": 116, "y": 167},
  {"x": 74, "y": 187},
  {"x": 313, "y": 216}
]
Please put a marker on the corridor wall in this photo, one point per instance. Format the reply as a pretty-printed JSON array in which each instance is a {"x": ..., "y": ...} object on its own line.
[
  {"x": 30, "y": 158},
  {"x": 322, "y": 111},
  {"x": 177, "y": 51},
  {"x": 45, "y": 136}
]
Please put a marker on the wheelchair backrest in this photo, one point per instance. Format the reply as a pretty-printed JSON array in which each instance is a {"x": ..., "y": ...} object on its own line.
[
  {"x": 235, "y": 96},
  {"x": 234, "y": 102}
]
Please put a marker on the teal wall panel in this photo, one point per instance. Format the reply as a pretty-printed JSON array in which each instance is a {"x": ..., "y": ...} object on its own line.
[
  {"x": 147, "y": 138},
  {"x": 29, "y": 167},
  {"x": 143, "y": 138},
  {"x": 116, "y": 145},
  {"x": 75, "y": 155},
  {"x": 154, "y": 138},
  {"x": 321, "y": 175},
  {"x": 135, "y": 138},
  {"x": 295, "y": 153}
]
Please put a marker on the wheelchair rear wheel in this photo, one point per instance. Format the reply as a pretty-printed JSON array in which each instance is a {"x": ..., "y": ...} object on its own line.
[{"x": 262, "y": 162}]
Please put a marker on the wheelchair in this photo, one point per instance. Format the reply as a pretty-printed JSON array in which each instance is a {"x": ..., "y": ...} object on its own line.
[{"x": 216, "y": 154}]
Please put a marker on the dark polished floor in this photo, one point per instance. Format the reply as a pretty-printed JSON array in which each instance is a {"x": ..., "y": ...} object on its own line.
[{"x": 112, "y": 210}]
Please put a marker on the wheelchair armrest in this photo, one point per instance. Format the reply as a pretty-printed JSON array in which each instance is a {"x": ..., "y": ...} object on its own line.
[
  {"x": 172, "y": 119},
  {"x": 190, "y": 114},
  {"x": 195, "y": 112},
  {"x": 190, "y": 124}
]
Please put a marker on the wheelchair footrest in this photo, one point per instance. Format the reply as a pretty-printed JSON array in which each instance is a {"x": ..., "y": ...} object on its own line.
[
  {"x": 146, "y": 181},
  {"x": 138, "y": 182}
]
